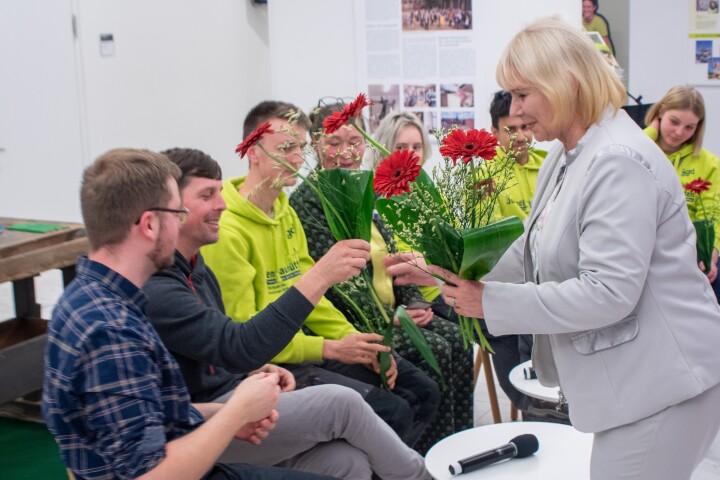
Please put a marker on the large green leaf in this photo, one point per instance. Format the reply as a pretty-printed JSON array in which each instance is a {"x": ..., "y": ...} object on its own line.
[
  {"x": 705, "y": 241},
  {"x": 348, "y": 200},
  {"x": 427, "y": 232},
  {"x": 419, "y": 341},
  {"x": 483, "y": 247}
]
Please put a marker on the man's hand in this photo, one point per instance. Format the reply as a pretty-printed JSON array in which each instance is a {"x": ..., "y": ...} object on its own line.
[
  {"x": 256, "y": 396},
  {"x": 343, "y": 261},
  {"x": 286, "y": 378},
  {"x": 255, "y": 432},
  {"x": 391, "y": 374},
  {"x": 354, "y": 348}
]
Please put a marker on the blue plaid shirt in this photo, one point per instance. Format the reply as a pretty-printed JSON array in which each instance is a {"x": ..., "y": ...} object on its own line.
[{"x": 113, "y": 395}]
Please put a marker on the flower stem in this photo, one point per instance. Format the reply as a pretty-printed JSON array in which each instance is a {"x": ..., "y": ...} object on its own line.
[
  {"x": 369, "y": 138},
  {"x": 310, "y": 184}
]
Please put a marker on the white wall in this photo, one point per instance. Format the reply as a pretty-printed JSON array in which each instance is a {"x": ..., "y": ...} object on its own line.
[
  {"x": 186, "y": 72},
  {"x": 40, "y": 114},
  {"x": 617, "y": 13},
  {"x": 312, "y": 50},
  {"x": 659, "y": 58}
]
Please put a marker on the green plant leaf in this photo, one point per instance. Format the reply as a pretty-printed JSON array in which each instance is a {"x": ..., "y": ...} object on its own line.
[
  {"x": 705, "y": 231},
  {"x": 384, "y": 357},
  {"x": 348, "y": 201},
  {"x": 483, "y": 247},
  {"x": 429, "y": 233},
  {"x": 418, "y": 339}
]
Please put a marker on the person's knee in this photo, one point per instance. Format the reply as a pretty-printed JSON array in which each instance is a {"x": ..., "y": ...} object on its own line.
[
  {"x": 337, "y": 401},
  {"x": 337, "y": 459},
  {"x": 394, "y": 410}
]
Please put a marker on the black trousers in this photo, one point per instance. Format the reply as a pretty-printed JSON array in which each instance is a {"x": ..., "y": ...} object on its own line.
[{"x": 409, "y": 408}]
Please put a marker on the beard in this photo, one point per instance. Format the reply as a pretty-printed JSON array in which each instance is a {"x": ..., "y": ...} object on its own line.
[{"x": 162, "y": 255}]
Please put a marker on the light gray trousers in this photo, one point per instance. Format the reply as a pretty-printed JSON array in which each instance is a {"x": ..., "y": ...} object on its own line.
[
  {"x": 330, "y": 430},
  {"x": 668, "y": 445}
]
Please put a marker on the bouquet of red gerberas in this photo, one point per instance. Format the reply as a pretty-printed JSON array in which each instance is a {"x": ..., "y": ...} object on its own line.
[
  {"x": 449, "y": 216},
  {"x": 704, "y": 225}
]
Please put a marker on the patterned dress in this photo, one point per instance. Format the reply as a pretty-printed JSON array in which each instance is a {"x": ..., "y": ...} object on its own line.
[{"x": 456, "y": 408}]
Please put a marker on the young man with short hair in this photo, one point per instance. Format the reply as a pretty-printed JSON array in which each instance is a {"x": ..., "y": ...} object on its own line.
[
  {"x": 113, "y": 396},
  {"x": 262, "y": 252},
  {"x": 325, "y": 429}
]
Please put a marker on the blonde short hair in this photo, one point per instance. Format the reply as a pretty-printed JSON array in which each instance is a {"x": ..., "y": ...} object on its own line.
[
  {"x": 682, "y": 97},
  {"x": 387, "y": 132},
  {"x": 559, "y": 60}
]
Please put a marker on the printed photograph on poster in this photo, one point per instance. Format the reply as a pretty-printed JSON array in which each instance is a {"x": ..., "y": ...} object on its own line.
[
  {"x": 428, "y": 120},
  {"x": 714, "y": 69},
  {"x": 385, "y": 99},
  {"x": 427, "y": 15},
  {"x": 454, "y": 95},
  {"x": 703, "y": 17},
  {"x": 464, "y": 120},
  {"x": 703, "y": 51},
  {"x": 419, "y": 96},
  {"x": 709, "y": 6}
]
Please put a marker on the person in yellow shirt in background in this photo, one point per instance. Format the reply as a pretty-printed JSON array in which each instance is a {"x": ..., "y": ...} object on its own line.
[
  {"x": 513, "y": 134},
  {"x": 676, "y": 123},
  {"x": 594, "y": 22},
  {"x": 516, "y": 199}
]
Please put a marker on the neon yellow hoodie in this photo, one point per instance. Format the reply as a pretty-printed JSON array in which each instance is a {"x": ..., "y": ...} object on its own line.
[
  {"x": 257, "y": 258},
  {"x": 690, "y": 167},
  {"x": 516, "y": 199}
]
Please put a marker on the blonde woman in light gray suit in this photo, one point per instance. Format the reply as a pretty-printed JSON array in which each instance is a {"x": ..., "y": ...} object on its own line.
[{"x": 606, "y": 275}]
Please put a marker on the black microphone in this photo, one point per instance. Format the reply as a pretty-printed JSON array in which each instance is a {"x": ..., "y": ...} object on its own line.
[{"x": 519, "y": 447}]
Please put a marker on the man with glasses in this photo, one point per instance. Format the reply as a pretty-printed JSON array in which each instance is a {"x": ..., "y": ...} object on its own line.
[{"x": 113, "y": 396}]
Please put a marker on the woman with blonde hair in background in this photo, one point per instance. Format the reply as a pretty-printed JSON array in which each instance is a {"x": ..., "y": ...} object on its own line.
[{"x": 677, "y": 124}]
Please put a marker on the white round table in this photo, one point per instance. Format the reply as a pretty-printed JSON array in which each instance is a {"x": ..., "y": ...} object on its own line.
[
  {"x": 564, "y": 453},
  {"x": 532, "y": 387}
]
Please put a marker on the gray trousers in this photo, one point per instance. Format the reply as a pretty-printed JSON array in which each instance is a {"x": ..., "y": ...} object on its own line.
[
  {"x": 330, "y": 430},
  {"x": 668, "y": 445}
]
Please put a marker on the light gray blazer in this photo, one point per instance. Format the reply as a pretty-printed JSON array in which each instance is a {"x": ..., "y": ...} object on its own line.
[{"x": 624, "y": 320}]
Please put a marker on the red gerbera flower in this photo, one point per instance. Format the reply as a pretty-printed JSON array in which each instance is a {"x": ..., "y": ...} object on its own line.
[
  {"x": 697, "y": 186},
  {"x": 486, "y": 187},
  {"x": 253, "y": 138},
  {"x": 351, "y": 110},
  {"x": 461, "y": 145},
  {"x": 394, "y": 174}
]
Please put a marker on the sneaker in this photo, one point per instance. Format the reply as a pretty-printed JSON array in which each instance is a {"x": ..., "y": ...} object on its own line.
[{"x": 544, "y": 411}]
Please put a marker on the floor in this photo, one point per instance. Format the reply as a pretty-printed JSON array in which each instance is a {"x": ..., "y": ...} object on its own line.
[{"x": 49, "y": 284}]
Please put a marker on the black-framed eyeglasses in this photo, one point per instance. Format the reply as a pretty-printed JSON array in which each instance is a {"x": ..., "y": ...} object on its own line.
[
  {"x": 330, "y": 101},
  {"x": 182, "y": 213}
]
